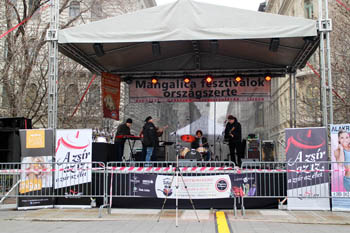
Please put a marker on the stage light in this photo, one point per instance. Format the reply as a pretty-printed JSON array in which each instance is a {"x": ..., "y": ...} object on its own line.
[
  {"x": 187, "y": 80},
  {"x": 268, "y": 78},
  {"x": 98, "y": 48},
  {"x": 128, "y": 80},
  {"x": 238, "y": 78},
  {"x": 154, "y": 81},
  {"x": 209, "y": 79}
]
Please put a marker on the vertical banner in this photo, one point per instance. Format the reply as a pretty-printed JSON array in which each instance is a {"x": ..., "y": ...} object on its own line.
[
  {"x": 307, "y": 181},
  {"x": 110, "y": 95},
  {"x": 36, "y": 167},
  {"x": 73, "y": 157},
  {"x": 340, "y": 151}
]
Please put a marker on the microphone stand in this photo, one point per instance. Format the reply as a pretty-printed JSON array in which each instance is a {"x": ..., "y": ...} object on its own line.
[{"x": 176, "y": 176}]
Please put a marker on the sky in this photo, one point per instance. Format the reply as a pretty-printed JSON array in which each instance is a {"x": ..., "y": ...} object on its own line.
[{"x": 243, "y": 4}]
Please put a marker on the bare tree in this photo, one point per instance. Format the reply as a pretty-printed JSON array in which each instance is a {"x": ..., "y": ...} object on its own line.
[{"x": 24, "y": 66}]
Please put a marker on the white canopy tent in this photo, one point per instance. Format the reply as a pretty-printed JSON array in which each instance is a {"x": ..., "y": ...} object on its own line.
[{"x": 193, "y": 38}]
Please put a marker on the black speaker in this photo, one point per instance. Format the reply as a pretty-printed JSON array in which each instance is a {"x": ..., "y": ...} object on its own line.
[
  {"x": 15, "y": 123},
  {"x": 10, "y": 146}
]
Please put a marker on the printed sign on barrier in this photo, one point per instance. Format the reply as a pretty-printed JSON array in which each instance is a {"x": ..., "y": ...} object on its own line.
[
  {"x": 340, "y": 151},
  {"x": 73, "y": 157}
]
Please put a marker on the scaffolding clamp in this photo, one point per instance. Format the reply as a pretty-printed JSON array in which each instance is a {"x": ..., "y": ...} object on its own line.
[
  {"x": 324, "y": 25},
  {"x": 52, "y": 35}
]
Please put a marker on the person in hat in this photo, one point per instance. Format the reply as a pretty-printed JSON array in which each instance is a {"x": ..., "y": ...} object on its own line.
[
  {"x": 150, "y": 137},
  {"x": 119, "y": 141},
  {"x": 233, "y": 134}
]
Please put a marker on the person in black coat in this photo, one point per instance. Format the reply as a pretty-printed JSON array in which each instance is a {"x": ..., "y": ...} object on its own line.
[
  {"x": 150, "y": 137},
  {"x": 233, "y": 134},
  {"x": 201, "y": 142},
  {"x": 119, "y": 142}
]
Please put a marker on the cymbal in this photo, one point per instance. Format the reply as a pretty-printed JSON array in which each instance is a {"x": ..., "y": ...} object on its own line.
[{"x": 188, "y": 138}]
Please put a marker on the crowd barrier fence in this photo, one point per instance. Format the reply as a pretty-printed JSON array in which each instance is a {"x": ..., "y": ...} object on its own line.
[{"x": 279, "y": 180}]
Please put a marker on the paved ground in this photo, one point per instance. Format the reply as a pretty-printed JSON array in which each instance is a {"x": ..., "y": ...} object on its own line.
[{"x": 131, "y": 220}]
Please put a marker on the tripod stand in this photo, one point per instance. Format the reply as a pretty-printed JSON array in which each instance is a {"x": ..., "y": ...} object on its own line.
[{"x": 176, "y": 177}]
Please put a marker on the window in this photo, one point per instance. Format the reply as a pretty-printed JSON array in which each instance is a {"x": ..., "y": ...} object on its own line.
[
  {"x": 74, "y": 9},
  {"x": 4, "y": 98},
  {"x": 33, "y": 8},
  {"x": 12, "y": 4},
  {"x": 71, "y": 96},
  {"x": 94, "y": 95},
  {"x": 308, "y": 9},
  {"x": 96, "y": 11},
  {"x": 5, "y": 50}
]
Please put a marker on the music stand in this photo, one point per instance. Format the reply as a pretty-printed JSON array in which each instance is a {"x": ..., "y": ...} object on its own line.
[{"x": 176, "y": 176}]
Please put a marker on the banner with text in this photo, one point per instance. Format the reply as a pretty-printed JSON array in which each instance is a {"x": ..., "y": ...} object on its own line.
[
  {"x": 199, "y": 187},
  {"x": 73, "y": 157},
  {"x": 306, "y": 179},
  {"x": 36, "y": 166},
  {"x": 340, "y": 151},
  {"x": 110, "y": 95},
  {"x": 198, "y": 90}
]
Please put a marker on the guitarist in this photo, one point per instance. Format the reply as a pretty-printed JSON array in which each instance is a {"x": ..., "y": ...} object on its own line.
[{"x": 233, "y": 134}]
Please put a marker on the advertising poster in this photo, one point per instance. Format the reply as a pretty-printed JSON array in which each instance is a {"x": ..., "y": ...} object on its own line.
[
  {"x": 340, "y": 152},
  {"x": 198, "y": 90},
  {"x": 110, "y": 95},
  {"x": 73, "y": 157},
  {"x": 199, "y": 187},
  {"x": 36, "y": 168},
  {"x": 306, "y": 180}
]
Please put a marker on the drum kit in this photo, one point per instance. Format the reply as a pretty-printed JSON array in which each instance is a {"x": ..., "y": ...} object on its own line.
[{"x": 187, "y": 153}]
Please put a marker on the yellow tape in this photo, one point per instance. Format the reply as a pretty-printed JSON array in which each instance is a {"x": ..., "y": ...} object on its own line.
[{"x": 221, "y": 222}]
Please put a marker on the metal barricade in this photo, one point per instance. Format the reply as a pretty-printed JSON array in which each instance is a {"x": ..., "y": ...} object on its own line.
[
  {"x": 52, "y": 180},
  {"x": 302, "y": 180},
  {"x": 122, "y": 176}
]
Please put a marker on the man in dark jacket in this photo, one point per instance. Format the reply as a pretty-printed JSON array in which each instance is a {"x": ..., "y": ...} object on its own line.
[
  {"x": 119, "y": 142},
  {"x": 233, "y": 134},
  {"x": 150, "y": 137}
]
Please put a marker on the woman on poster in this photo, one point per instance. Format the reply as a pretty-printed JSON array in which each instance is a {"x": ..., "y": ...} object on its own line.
[{"x": 342, "y": 155}]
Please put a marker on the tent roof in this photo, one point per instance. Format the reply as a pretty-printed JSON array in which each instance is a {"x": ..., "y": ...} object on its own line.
[{"x": 192, "y": 37}]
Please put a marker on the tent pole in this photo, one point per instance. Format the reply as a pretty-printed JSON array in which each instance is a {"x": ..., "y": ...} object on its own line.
[
  {"x": 322, "y": 66},
  {"x": 290, "y": 102},
  {"x": 295, "y": 99},
  {"x": 329, "y": 64},
  {"x": 214, "y": 130},
  {"x": 52, "y": 39}
]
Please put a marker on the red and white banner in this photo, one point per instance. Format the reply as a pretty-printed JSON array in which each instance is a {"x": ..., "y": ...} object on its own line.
[
  {"x": 110, "y": 85},
  {"x": 198, "y": 90},
  {"x": 73, "y": 157}
]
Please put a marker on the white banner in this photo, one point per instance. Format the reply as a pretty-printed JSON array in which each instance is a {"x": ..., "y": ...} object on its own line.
[
  {"x": 201, "y": 187},
  {"x": 309, "y": 198},
  {"x": 73, "y": 157}
]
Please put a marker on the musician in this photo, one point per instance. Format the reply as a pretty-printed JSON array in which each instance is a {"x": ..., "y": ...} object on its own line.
[
  {"x": 123, "y": 129},
  {"x": 233, "y": 134},
  {"x": 150, "y": 137},
  {"x": 201, "y": 141}
]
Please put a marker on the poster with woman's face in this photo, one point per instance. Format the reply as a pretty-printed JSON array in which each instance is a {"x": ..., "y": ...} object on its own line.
[
  {"x": 340, "y": 152},
  {"x": 340, "y": 157}
]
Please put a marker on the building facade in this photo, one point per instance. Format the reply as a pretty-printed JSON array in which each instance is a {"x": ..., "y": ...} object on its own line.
[{"x": 308, "y": 96}]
